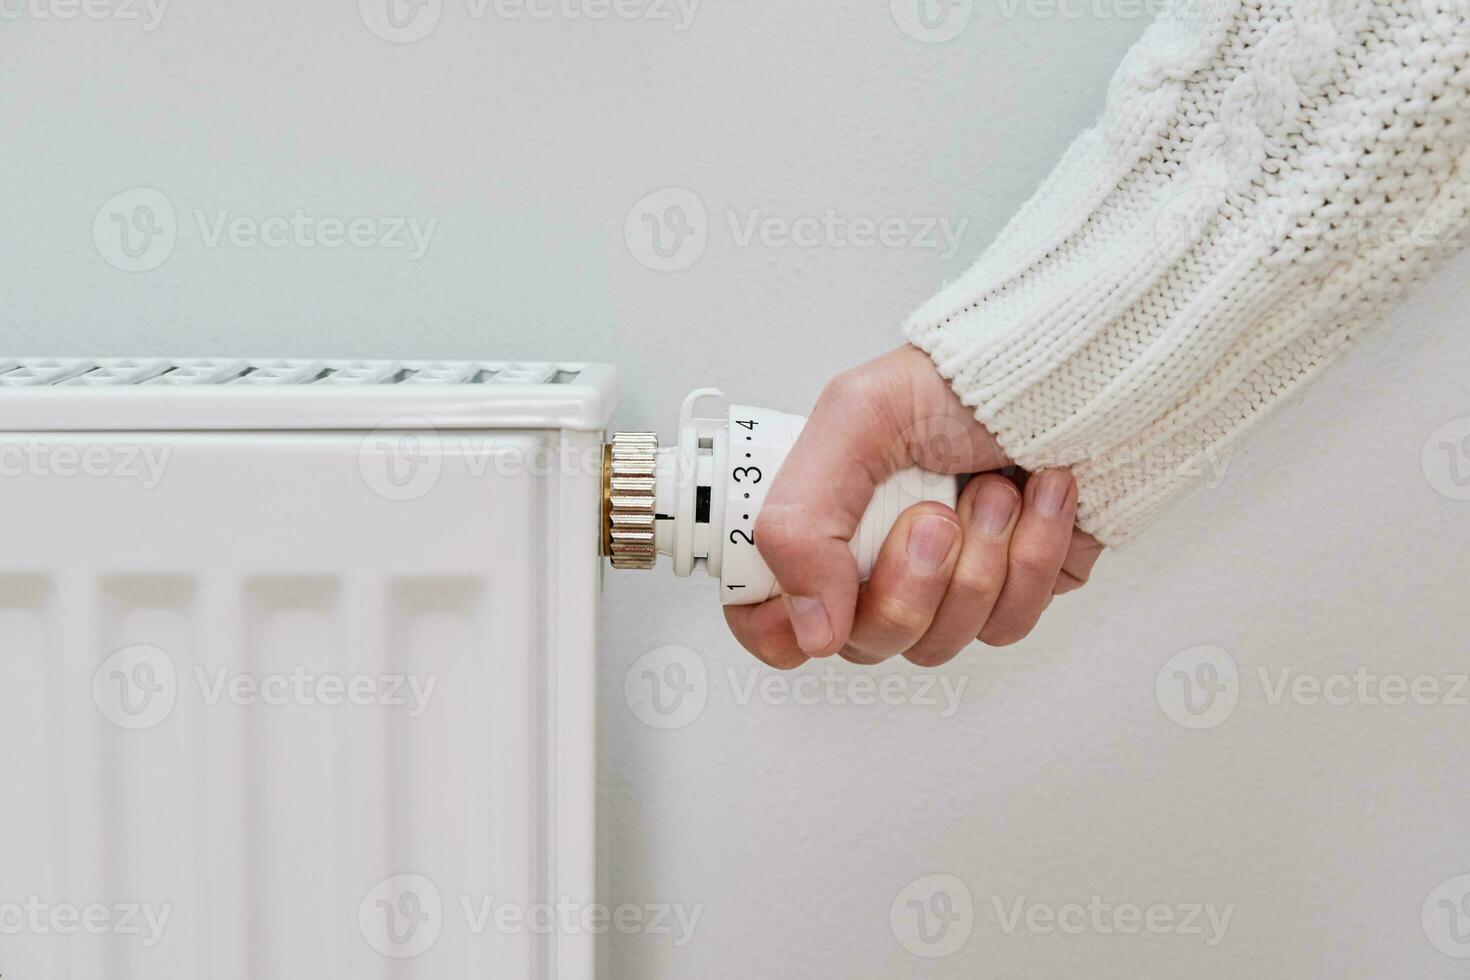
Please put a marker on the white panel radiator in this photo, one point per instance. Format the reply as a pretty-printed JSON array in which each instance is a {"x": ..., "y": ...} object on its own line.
[{"x": 298, "y": 673}]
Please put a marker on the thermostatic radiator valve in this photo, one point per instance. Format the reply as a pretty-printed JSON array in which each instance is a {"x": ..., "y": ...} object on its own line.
[{"x": 697, "y": 502}]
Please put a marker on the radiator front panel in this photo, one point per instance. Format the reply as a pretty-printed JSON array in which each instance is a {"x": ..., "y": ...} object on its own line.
[{"x": 292, "y": 712}]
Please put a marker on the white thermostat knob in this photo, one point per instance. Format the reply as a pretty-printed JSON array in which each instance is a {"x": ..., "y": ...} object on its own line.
[{"x": 709, "y": 489}]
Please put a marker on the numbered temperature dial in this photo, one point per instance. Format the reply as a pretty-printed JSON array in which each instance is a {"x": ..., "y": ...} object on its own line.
[{"x": 698, "y": 502}]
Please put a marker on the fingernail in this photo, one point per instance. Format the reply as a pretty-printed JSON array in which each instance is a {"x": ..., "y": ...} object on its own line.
[
  {"x": 994, "y": 505},
  {"x": 929, "y": 542},
  {"x": 809, "y": 620},
  {"x": 1051, "y": 492}
]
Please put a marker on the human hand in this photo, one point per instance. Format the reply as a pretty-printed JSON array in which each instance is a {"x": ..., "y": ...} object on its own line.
[{"x": 943, "y": 578}]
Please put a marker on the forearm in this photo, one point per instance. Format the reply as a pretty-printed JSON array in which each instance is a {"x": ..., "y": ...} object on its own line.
[{"x": 1259, "y": 189}]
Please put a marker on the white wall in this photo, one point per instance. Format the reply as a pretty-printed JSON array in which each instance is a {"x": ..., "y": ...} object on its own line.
[{"x": 797, "y": 827}]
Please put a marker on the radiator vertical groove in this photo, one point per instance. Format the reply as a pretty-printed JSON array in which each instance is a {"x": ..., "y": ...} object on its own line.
[
  {"x": 226, "y": 737},
  {"x": 90, "y": 863}
]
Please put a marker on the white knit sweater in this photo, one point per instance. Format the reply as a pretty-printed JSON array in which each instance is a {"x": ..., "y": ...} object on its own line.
[{"x": 1267, "y": 178}]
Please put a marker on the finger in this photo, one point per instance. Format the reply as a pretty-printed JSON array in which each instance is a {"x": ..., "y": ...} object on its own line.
[
  {"x": 1038, "y": 546},
  {"x": 988, "y": 511},
  {"x": 855, "y": 656},
  {"x": 896, "y": 605},
  {"x": 765, "y": 630},
  {"x": 1082, "y": 554},
  {"x": 817, "y": 501}
]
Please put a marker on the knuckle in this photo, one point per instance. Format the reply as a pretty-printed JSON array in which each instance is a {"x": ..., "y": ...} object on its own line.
[
  {"x": 780, "y": 531},
  {"x": 848, "y": 387},
  {"x": 1032, "y": 562},
  {"x": 1004, "y": 634},
  {"x": 895, "y": 616},
  {"x": 977, "y": 586}
]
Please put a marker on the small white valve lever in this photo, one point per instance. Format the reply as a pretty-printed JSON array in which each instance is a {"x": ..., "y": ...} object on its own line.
[{"x": 704, "y": 496}]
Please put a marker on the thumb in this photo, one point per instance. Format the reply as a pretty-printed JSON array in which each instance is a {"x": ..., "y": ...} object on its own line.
[{"x": 847, "y": 448}]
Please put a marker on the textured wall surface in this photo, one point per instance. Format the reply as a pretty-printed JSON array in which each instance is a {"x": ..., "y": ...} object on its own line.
[{"x": 1080, "y": 804}]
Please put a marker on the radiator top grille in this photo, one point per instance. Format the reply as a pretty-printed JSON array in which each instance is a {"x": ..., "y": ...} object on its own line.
[
  {"x": 196, "y": 372},
  {"x": 262, "y": 394}
]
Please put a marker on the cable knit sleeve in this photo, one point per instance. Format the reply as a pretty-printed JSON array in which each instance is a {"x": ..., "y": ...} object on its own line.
[{"x": 1268, "y": 176}]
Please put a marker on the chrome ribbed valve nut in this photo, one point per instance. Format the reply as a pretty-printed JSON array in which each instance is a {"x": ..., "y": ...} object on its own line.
[{"x": 630, "y": 464}]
